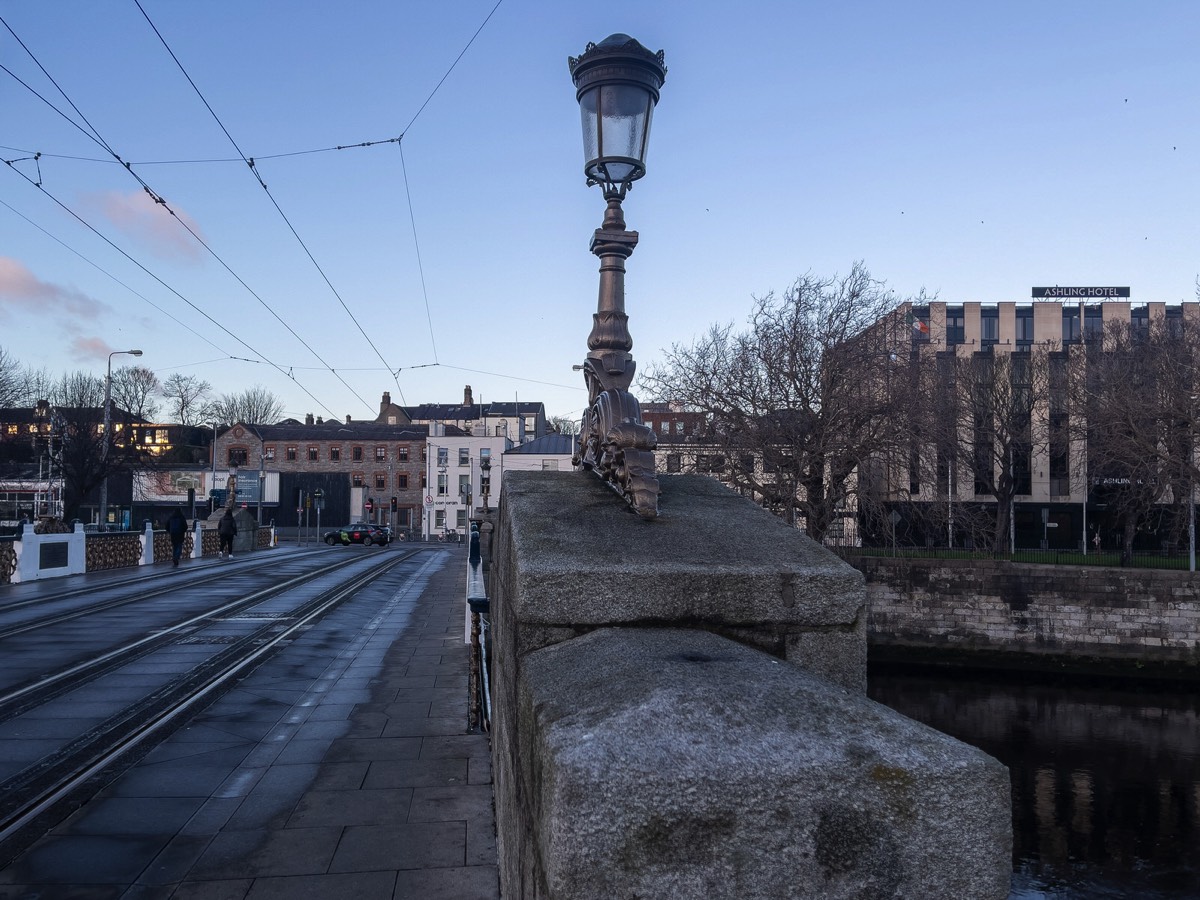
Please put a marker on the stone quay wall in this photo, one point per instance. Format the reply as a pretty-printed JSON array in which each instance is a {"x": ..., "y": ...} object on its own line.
[{"x": 1136, "y": 615}]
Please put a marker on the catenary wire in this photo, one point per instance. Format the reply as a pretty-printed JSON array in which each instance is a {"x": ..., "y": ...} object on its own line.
[
  {"x": 104, "y": 271},
  {"x": 94, "y": 134},
  {"x": 123, "y": 253},
  {"x": 279, "y": 209},
  {"x": 417, "y": 246}
]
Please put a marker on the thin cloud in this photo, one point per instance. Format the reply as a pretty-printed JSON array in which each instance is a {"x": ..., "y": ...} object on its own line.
[
  {"x": 90, "y": 348},
  {"x": 149, "y": 223},
  {"x": 22, "y": 291}
]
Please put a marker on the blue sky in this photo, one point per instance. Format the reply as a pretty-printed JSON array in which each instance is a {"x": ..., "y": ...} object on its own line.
[{"x": 974, "y": 150}]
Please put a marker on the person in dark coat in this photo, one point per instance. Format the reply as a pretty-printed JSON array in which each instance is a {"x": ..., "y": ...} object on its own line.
[
  {"x": 226, "y": 529},
  {"x": 177, "y": 531}
]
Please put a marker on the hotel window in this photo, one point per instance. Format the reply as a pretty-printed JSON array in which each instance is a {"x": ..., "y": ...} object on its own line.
[
  {"x": 460, "y": 518},
  {"x": 402, "y": 454},
  {"x": 380, "y": 481},
  {"x": 357, "y": 479},
  {"x": 290, "y": 454},
  {"x": 380, "y": 454},
  {"x": 1093, "y": 323},
  {"x": 1139, "y": 323},
  {"x": 956, "y": 325},
  {"x": 402, "y": 482},
  {"x": 335, "y": 454},
  {"x": 443, "y": 457},
  {"x": 439, "y": 518},
  {"x": 356, "y": 454},
  {"x": 269, "y": 453},
  {"x": 1072, "y": 329},
  {"x": 442, "y": 485},
  {"x": 989, "y": 326},
  {"x": 464, "y": 456},
  {"x": 313, "y": 454},
  {"x": 673, "y": 464},
  {"x": 237, "y": 456},
  {"x": 464, "y": 485},
  {"x": 1025, "y": 325}
]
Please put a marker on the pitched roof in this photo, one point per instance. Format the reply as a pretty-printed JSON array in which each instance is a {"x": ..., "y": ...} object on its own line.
[
  {"x": 548, "y": 445},
  {"x": 334, "y": 430}
]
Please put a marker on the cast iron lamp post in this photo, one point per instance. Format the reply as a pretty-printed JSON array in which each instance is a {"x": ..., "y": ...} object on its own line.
[
  {"x": 107, "y": 437},
  {"x": 617, "y": 83}
]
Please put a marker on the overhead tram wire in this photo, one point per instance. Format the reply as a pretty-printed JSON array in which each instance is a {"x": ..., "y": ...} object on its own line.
[
  {"x": 417, "y": 246},
  {"x": 253, "y": 169},
  {"x": 95, "y": 136},
  {"x": 104, "y": 271},
  {"x": 196, "y": 308}
]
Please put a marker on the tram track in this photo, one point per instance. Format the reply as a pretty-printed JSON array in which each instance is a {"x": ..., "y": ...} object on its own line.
[
  {"x": 16, "y": 700},
  {"x": 152, "y": 578},
  {"x": 33, "y": 798}
]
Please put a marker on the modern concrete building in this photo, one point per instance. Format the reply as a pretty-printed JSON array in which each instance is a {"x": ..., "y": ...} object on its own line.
[{"x": 1052, "y": 481}]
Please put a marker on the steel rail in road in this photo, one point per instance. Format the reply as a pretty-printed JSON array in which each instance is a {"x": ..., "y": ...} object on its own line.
[
  {"x": 197, "y": 573},
  {"x": 36, "y": 791},
  {"x": 46, "y": 687}
]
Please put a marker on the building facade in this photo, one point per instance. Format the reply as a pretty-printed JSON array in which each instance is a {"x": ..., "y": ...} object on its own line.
[{"x": 1057, "y": 504}]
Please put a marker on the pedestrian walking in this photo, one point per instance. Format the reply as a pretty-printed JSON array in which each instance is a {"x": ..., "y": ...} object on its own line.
[
  {"x": 177, "y": 531},
  {"x": 226, "y": 529}
]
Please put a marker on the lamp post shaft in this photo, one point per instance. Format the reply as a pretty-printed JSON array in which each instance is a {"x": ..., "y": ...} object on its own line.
[{"x": 104, "y": 446}]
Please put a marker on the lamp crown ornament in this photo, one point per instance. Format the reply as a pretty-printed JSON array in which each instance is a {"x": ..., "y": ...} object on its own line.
[{"x": 617, "y": 85}]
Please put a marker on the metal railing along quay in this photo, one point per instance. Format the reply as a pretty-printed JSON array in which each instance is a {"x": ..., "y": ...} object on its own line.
[{"x": 479, "y": 705}]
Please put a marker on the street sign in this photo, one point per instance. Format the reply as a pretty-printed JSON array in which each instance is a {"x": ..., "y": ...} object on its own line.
[
  {"x": 369, "y": 506},
  {"x": 429, "y": 500}
]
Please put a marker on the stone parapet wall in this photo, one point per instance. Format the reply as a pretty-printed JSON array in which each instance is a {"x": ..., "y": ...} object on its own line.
[
  {"x": 679, "y": 710},
  {"x": 994, "y": 605}
]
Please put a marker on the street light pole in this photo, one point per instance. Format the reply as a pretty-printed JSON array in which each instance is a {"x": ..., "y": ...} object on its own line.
[
  {"x": 616, "y": 84},
  {"x": 107, "y": 438}
]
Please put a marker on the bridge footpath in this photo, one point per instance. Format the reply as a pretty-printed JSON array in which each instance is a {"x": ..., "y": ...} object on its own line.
[{"x": 332, "y": 771}]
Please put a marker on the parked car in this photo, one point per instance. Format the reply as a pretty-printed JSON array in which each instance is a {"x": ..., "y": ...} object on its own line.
[{"x": 358, "y": 533}]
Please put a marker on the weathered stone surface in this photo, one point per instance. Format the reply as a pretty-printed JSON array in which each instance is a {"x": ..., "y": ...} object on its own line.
[
  {"x": 1143, "y": 616},
  {"x": 668, "y": 756},
  {"x": 570, "y": 555},
  {"x": 676, "y": 763}
]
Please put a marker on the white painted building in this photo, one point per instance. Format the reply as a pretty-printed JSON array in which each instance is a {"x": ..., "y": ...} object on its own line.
[{"x": 463, "y": 471}]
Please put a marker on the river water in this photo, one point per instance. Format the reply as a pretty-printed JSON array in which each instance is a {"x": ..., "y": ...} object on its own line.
[{"x": 1106, "y": 779}]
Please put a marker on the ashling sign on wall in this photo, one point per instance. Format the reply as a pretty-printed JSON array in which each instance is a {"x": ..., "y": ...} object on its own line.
[{"x": 1080, "y": 293}]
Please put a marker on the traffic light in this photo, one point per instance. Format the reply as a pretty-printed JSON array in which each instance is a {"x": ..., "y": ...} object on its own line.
[{"x": 393, "y": 504}]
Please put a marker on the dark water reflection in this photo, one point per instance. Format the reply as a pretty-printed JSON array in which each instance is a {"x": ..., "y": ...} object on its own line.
[{"x": 1106, "y": 781}]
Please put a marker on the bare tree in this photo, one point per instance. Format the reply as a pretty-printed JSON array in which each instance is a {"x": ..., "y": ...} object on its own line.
[
  {"x": 798, "y": 401},
  {"x": 39, "y": 384},
  {"x": 134, "y": 389},
  {"x": 993, "y": 428},
  {"x": 1138, "y": 392},
  {"x": 12, "y": 384},
  {"x": 564, "y": 424},
  {"x": 189, "y": 399},
  {"x": 78, "y": 400},
  {"x": 253, "y": 406}
]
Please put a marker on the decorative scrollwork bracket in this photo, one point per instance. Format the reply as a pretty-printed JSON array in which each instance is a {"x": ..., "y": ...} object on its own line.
[{"x": 615, "y": 444}]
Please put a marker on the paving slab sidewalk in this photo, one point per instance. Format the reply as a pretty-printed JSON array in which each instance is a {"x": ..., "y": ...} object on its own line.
[{"x": 360, "y": 783}]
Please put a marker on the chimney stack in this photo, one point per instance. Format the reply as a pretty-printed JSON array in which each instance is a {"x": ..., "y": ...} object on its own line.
[
  {"x": 347, "y": 420},
  {"x": 386, "y": 402},
  {"x": 467, "y": 400},
  {"x": 308, "y": 419}
]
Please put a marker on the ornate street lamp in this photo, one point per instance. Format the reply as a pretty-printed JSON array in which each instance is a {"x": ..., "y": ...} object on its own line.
[
  {"x": 107, "y": 438},
  {"x": 617, "y": 83}
]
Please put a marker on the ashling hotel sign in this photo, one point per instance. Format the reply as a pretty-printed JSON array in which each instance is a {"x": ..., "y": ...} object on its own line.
[{"x": 1080, "y": 293}]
